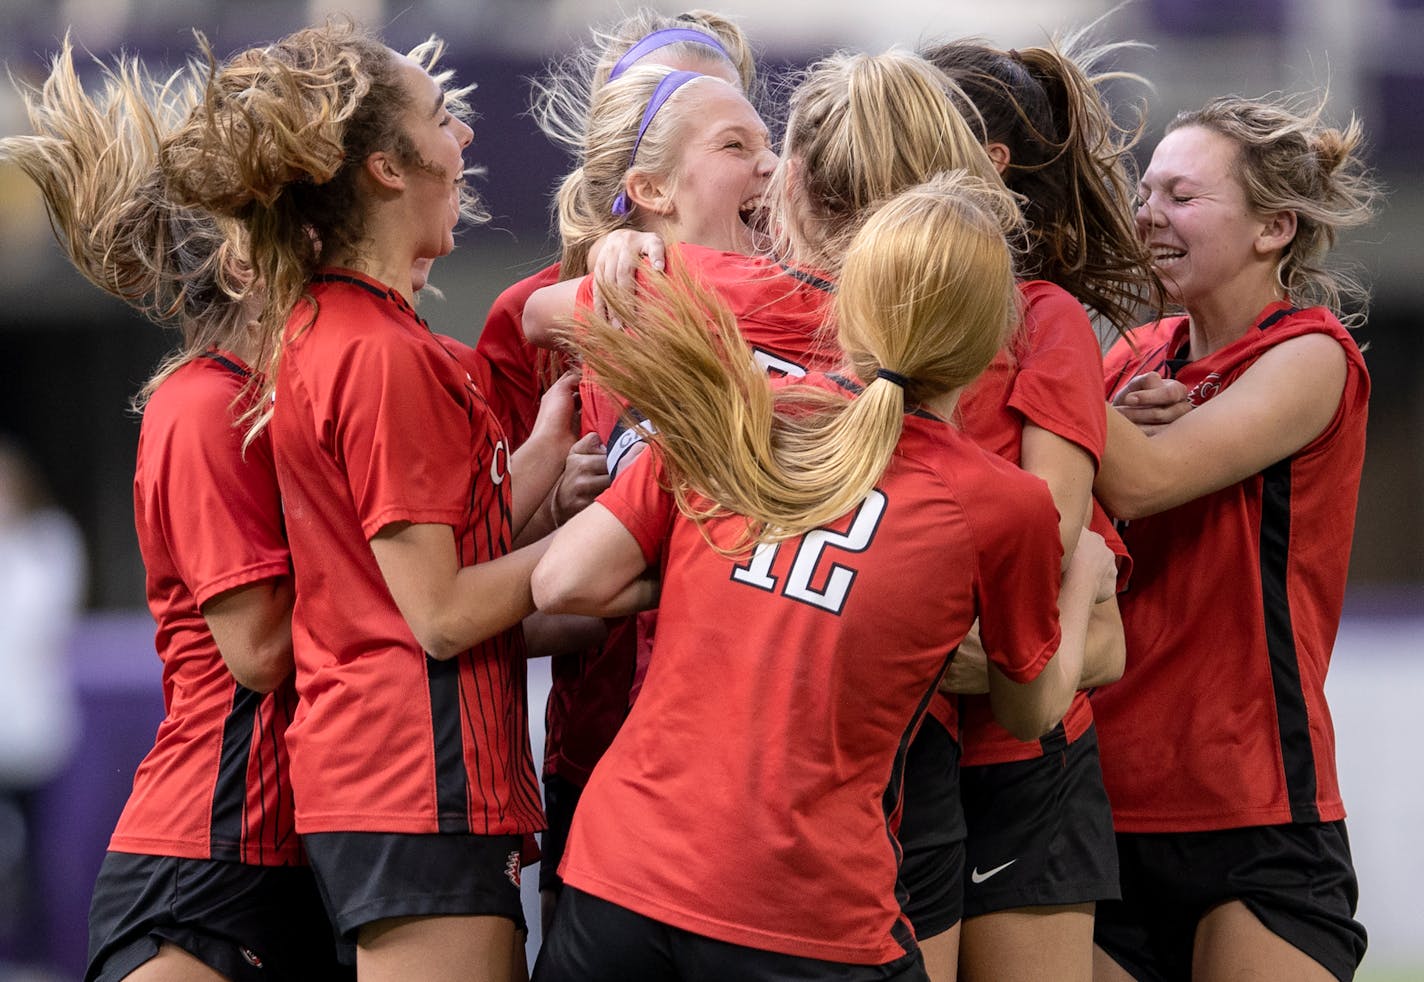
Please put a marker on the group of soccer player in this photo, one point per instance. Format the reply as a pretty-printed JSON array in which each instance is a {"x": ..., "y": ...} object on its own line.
[{"x": 896, "y": 633}]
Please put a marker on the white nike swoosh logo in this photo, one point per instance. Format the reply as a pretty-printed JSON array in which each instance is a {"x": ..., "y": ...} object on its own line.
[{"x": 978, "y": 877}]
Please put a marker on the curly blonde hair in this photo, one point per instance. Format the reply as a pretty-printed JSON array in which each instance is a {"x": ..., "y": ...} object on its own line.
[{"x": 277, "y": 142}]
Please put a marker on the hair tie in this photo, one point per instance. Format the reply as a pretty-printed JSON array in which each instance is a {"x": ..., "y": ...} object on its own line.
[
  {"x": 903, "y": 381},
  {"x": 669, "y": 84},
  {"x": 661, "y": 39}
]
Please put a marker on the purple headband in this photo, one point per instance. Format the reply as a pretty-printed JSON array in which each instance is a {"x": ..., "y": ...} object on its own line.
[
  {"x": 669, "y": 84},
  {"x": 661, "y": 39}
]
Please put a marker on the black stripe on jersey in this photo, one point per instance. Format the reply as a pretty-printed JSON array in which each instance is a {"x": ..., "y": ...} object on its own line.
[
  {"x": 230, "y": 789},
  {"x": 810, "y": 279},
  {"x": 352, "y": 281},
  {"x": 892, "y": 800},
  {"x": 227, "y": 363},
  {"x": 452, "y": 803},
  {"x": 1292, "y": 715},
  {"x": 1278, "y": 315}
]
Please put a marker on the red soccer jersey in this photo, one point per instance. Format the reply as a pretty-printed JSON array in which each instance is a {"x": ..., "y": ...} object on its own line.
[
  {"x": 215, "y": 785},
  {"x": 512, "y": 380},
  {"x": 376, "y": 422},
  {"x": 748, "y": 797},
  {"x": 1220, "y": 720},
  {"x": 1048, "y": 376},
  {"x": 780, "y": 312}
]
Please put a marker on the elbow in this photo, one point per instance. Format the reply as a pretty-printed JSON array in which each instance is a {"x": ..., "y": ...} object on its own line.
[
  {"x": 553, "y": 589},
  {"x": 1126, "y": 497},
  {"x": 263, "y": 668},
  {"x": 1029, "y": 711},
  {"x": 438, "y": 641}
]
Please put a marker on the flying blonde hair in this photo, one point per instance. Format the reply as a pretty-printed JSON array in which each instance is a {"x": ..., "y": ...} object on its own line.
[
  {"x": 95, "y": 161},
  {"x": 926, "y": 293}
]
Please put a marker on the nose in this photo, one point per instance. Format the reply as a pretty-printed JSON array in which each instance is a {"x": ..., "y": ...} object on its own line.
[
  {"x": 1146, "y": 216},
  {"x": 467, "y": 135},
  {"x": 766, "y": 162}
]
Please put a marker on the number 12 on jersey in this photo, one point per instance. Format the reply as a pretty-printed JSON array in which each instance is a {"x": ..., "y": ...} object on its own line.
[{"x": 756, "y": 572}]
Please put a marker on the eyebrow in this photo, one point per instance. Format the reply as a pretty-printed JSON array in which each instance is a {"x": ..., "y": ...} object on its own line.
[
  {"x": 742, "y": 130},
  {"x": 439, "y": 102}
]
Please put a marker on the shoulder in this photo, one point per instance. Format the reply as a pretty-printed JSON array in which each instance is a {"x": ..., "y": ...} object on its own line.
[
  {"x": 511, "y": 300},
  {"x": 197, "y": 398}
]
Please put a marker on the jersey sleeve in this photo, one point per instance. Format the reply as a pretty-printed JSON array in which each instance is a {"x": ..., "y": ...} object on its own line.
[
  {"x": 639, "y": 502},
  {"x": 395, "y": 413},
  {"x": 1020, "y": 556},
  {"x": 220, "y": 507},
  {"x": 1057, "y": 387}
]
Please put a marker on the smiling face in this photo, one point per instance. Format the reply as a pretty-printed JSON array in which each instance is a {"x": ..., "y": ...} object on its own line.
[
  {"x": 722, "y": 168},
  {"x": 1206, "y": 240},
  {"x": 436, "y": 174}
]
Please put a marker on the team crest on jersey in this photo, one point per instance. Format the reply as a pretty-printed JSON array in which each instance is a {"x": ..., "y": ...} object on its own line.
[
  {"x": 499, "y": 463},
  {"x": 1205, "y": 389},
  {"x": 511, "y": 868}
]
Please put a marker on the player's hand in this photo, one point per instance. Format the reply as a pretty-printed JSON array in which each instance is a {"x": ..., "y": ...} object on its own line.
[
  {"x": 968, "y": 672},
  {"x": 1097, "y": 561},
  {"x": 585, "y": 477},
  {"x": 555, "y": 422},
  {"x": 1151, "y": 402},
  {"x": 615, "y": 260}
]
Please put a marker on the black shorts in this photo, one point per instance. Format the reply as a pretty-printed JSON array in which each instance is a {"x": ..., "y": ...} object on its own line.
[
  {"x": 560, "y": 798},
  {"x": 371, "y": 876},
  {"x": 246, "y": 922},
  {"x": 596, "y": 941},
  {"x": 1297, "y": 879},
  {"x": 1040, "y": 831},
  {"x": 932, "y": 832}
]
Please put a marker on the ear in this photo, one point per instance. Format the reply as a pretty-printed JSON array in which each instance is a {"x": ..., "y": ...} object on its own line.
[
  {"x": 385, "y": 170},
  {"x": 1277, "y": 231},
  {"x": 999, "y": 154},
  {"x": 649, "y": 192}
]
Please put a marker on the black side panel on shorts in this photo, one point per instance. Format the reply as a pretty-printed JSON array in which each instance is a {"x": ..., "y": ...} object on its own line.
[
  {"x": 451, "y": 787},
  {"x": 1297, "y": 753},
  {"x": 230, "y": 789}
]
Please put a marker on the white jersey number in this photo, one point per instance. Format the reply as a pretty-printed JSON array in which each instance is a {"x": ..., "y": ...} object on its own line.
[{"x": 756, "y": 572}]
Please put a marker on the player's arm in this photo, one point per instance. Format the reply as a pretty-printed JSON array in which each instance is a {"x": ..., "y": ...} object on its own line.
[
  {"x": 547, "y": 310},
  {"x": 449, "y": 607},
  {"x": 1105, "y": 652},
  {"x": 551, "y": 635},
  {"x": 585, "y": 477},
  {"x": 595, "y": 567},
  {"x": 536, "y": 466},
  {"x": 252, "y": 627},
  {"x": 1068, "y": 470},
  {"x": 1030, "y": 709},
  {"x": 1278, "y": 405}
]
